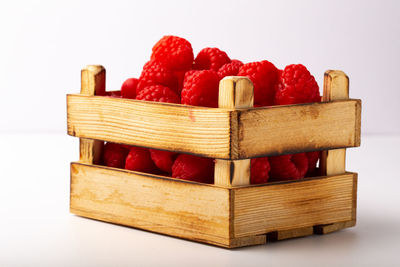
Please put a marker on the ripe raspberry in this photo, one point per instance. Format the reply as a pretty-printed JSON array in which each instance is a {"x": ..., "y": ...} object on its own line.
[
  {"x": 175, "y": 52},
  {"x": 200, "y": 88},
  {"x": 211, "y": 59},
  {"x": 296, "y": 85},
  {"x": 259, "y": 170},
  {"x": 139, "y": 159},
  {"x": 313, "y": 158},
  {"x": 128, "y": 88},
  {"x": 264, "y": 76},
  {"x": 156, "y": 73},
  {"x": 158, "y": 93},
  {"x": 116, "y": 94},
  {"x": 163, "y": 159},
  {"x": 114, "y": 155},
  {"x": 230, "y": 69},
  {"x": 192, "y": 168},
  {"x": 288, "y": 167}
]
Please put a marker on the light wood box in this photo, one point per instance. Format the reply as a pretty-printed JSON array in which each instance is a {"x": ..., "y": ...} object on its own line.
[{"x": 231, "y": 212}]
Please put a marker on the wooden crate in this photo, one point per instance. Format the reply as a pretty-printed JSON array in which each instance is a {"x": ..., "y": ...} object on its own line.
[{"x": 231, "y": 212}]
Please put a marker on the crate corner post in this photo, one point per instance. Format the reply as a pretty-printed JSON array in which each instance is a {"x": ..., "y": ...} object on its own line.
[
  {"x": 93, "y": 82},
  {"x": 336, "y": 87},
  {"x": 234, "y": 93},
  {"x": 333, "y": 162}
]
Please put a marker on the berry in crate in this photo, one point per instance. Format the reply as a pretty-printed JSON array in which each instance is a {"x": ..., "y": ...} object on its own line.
[{"x": 174, "y": 74}]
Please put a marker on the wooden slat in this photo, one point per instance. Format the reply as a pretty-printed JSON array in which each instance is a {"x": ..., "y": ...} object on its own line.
[
  {"x": 336, "y": 87},
  {"x": 329, "y": 228},
  {"x": 298, "y": 128},
  {"x": 293, "y": 205},
  {"x": 174, "y": 207},
  {"x": 291, "y": 233},
  {"x": 207, "y": 131},
  {"x": 197, "y": 130},
  {"x": 234, "y": 93},
  {"x": 247, "y": 241},
  {"x": 93, "y": 82}
]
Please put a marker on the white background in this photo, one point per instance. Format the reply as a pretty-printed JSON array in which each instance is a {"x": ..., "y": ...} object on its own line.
[{"x": 43, "y": 46}]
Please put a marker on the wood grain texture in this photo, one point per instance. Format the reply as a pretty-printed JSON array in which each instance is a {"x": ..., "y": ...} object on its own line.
[
  {"x": 208, "y": 131},
  {"x": 336, "y": 87},
  {"x": 90, "y": 151},
  {"x": 287, "y": 206},
  {"x": 197, "y": 130},
  {"x": 298, "y": 128},
  {"x": 333, "y": 161},
  {"x": 329, "y": 228},
  {"x": 154, "y": 203},
  {"x": 93, "y": 82},
  {"x": 234, "y": 93},
  {"x": 232, "y": 172},
  {"x": 247, "y": 241},
  {"x": 291, "y": 233}
]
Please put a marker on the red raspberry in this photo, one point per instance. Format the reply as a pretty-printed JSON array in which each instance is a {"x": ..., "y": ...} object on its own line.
[
  {"x": 200, "y": 88},
  {"x": 139, "y": 159},
  {"x": 175, "y": 52},
  {"x": 230, "y": 69},
  {"x": 296, "y": 85},
  {"x": 211, "y": 59},
  {"x": 158, "y": 93},
  {"x": 114, "y": 155},
  {"x": 264, "y": 76},
  {"x": 313, "y": 158},
  {"x": 288, "y": 167},
  {"x": 128, "y": 88},
  {"x": 259, "y": 170},
  {"x": 156, "y": 73},
  {"x": 163, "y": 159},
  {"x": 116, "y": 94},
  {"x": 192, "y": 168}
]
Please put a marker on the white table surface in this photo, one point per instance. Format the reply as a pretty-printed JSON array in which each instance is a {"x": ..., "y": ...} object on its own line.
[{"x": 36, "y": 228}]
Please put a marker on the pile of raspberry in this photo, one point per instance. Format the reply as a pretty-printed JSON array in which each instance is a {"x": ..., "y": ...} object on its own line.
[{"x": 174, "y": 75}]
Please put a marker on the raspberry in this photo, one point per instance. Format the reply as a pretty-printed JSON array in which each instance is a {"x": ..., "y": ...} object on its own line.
[
  {"x": 296, "y": 85},
  {"x": 128, "y": 88},
  {"x": 156, "y": 73},
  {"x": 200, "y": 88},
  {"x": 139, "y": 159},
  {"x": 114, "y": 155},
  {"x": 230, "y": 69},
  {"x": 259, "y": 170},
  {"x": 175, "y": 52},
  {"x": 163, "y": 159},
  {"x": 158, "y": 93},
  {"x": 288, "y": 167},
  {"x": 192, "y": 168},
  {"x": 313, "y": 158},
  {"x": 211, "y": 59},
  {"x": 264, "y": 76}
]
